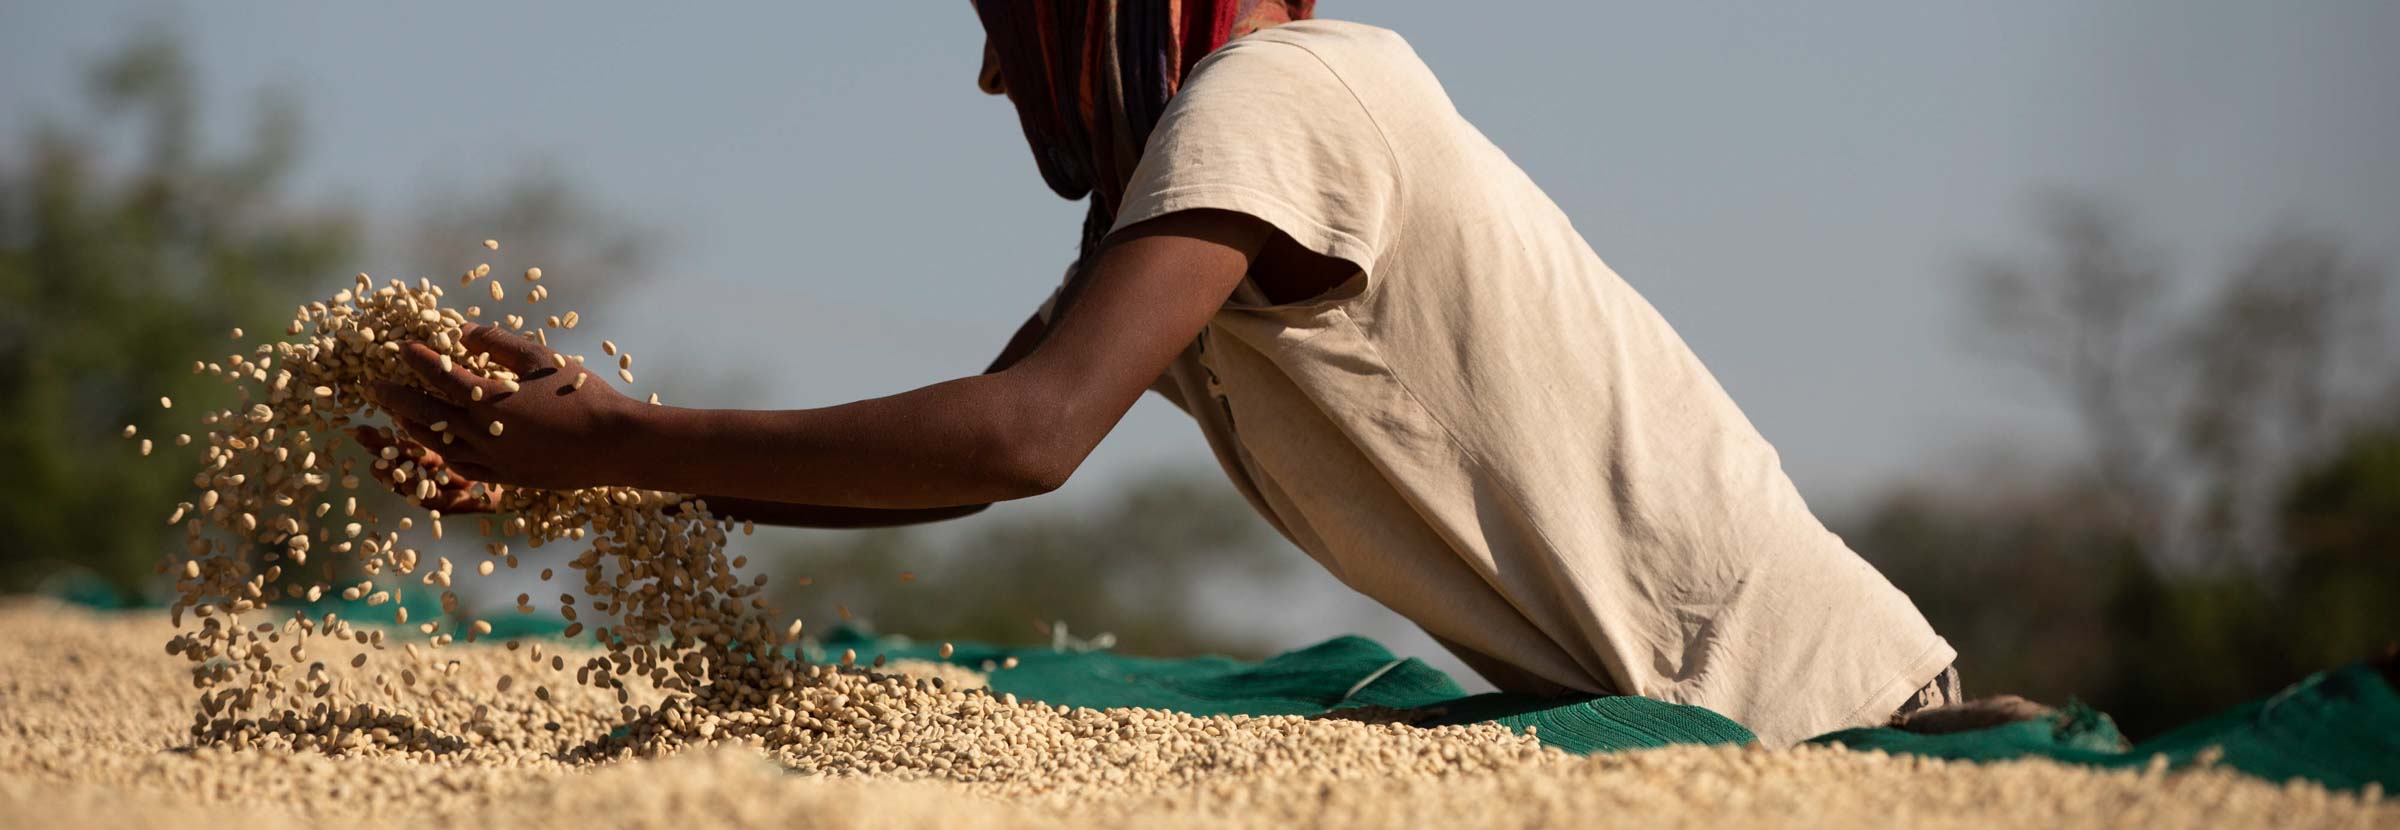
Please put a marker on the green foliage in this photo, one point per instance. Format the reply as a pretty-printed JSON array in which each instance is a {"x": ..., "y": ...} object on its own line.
[
  {"x": 2018, "y": 582},
  {"x": 2043, "y": 596},
  {"x": 113, "y": 278},
  {"x": 2221, "y": 536},
  {"x": 2341, "y": 526}
]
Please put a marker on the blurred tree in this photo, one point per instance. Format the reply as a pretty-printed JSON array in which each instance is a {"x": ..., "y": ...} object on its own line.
[
  {"x": 2223, "y": 538},
  {"x": 2083, "y": 319},
  {"x": 2191, "y": 415},
  {"x": 115, "y": 274},
  {"x": 2341, "y": 533},
  {"x": 2269, "y": 363},
  {"x": 110, "y": 285},
  {"x": 1139, "y": 568},
  {"x": 2017, "y": 573}
]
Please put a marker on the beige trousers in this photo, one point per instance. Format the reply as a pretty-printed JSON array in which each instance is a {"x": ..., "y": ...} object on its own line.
[{"x": 1943, "y": 690}]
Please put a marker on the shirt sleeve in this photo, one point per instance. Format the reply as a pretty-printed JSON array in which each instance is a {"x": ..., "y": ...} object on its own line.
[{"x": 1267, "y": 129}]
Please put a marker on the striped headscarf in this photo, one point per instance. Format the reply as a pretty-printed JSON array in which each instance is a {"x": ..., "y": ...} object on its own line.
[{"x": 1090, "y": 79}]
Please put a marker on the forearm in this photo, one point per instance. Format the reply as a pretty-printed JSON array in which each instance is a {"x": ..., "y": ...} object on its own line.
[
  {"x": 994, "y": 437},
  {"x": 962, "y": 442},
  {"x": 852, "y": 518},
  {"x": 830, "y": 518}
]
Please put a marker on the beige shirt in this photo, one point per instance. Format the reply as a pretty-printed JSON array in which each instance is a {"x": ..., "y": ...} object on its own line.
[{"x": 1489, "y": 431}]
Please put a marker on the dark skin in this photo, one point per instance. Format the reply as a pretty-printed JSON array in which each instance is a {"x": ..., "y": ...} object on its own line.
[{"x": 938, "y": 452}]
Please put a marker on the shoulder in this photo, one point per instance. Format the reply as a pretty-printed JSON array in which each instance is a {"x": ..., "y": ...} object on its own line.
[
  {"x": 1350, "y": 51},
  {"x": 1333, "y": 40}
]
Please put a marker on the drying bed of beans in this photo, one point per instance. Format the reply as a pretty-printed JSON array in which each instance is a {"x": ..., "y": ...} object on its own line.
[{"x": 93, "y": 733}]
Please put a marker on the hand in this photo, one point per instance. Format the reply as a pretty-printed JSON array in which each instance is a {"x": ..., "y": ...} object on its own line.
[
  {"x": 454, "y": 494},
  {"x": 555, "y": 435}
]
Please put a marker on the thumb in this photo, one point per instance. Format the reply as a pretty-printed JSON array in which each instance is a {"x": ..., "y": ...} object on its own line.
[
  {"x": 515, "y": 353},
  {"x": 442, "y": 376}
]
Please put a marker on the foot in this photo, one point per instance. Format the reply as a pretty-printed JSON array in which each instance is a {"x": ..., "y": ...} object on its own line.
[{"x": 1981, "y": 713}]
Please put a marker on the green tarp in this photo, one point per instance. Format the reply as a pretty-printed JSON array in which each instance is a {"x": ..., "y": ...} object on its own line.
[
  {"x": 2340, "y": 728},
  {"x": 1341, "y": 673}
]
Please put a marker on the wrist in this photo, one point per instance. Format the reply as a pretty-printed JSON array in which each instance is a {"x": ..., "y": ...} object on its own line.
[{"x": 631, "y": 434}]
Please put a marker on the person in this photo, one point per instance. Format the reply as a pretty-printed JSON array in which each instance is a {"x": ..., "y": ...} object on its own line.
[{"x": 1399, "y": 349}]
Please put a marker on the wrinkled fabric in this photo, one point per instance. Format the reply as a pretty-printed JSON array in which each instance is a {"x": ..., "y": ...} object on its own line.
[
  {"x": 1944, "y": 690},
  {"x": 1486, "y": 429}
]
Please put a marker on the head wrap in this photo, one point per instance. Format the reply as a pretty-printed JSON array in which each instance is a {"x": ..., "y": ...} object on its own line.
[{"x": 1090, "y": 79}]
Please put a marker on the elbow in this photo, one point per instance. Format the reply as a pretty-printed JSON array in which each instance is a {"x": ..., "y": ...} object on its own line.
[
  {"x": 1031, "y": 468},
  {"x": 1033, "y": 458}
]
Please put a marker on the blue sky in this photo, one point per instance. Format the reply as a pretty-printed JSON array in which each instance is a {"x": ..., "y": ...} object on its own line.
[{"x": 1796, "y": 186}]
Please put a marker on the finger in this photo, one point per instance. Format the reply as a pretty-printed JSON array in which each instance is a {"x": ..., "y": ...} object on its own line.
[
  {"x": 457, "y": 446},
  {"x": 453, "y": 495},
  {"x": 454, "y": 502},
  {"x": 449, "y": 493},
  {"x": 450, "y": 490},
  {"x": 386, "y": 471},
  {"x": 410, "y": 451},
  {"x": 458, "y": 489},
  {"x": 451, "y": 382},
  {"x": 424, "y": 436},
  {"x": 375, "y": 440},
  {"x": 413, "y": 405},
  {"x": 513, "y": 352},
  {"x": 425, "y": 457}
]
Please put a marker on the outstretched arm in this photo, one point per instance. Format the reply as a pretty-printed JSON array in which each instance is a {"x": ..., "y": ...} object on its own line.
[
  {"x": 1012, "y": 433},
  {"x": 821, "y": 516}
]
